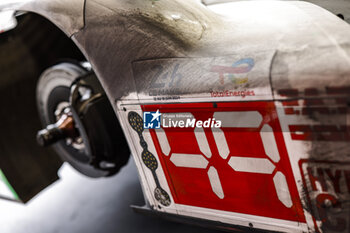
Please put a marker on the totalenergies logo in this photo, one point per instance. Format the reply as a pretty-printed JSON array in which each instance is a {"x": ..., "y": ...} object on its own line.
[{"x": 239, "y": 67}]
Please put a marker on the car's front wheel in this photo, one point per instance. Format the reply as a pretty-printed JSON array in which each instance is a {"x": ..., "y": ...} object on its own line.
[{"x": 92, "y": 140}]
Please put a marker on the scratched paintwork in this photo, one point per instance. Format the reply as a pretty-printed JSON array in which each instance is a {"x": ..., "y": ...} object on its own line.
[{"x": 295, "y": 46}]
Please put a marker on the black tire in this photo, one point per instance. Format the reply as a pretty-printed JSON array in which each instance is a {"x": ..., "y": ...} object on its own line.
[{"x": 53, "y": 88}]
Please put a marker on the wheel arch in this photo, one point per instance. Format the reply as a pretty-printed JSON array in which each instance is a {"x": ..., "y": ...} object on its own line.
[{"x": 25, "y": 52}]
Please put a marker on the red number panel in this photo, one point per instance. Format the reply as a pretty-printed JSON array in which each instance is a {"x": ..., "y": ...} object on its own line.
[{"x": 242, "y": 167}]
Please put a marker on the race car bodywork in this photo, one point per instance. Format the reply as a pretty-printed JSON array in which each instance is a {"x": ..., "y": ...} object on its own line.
[{"x": 276, "y": 74}]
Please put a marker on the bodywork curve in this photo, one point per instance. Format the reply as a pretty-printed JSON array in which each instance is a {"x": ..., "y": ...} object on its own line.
[{"x": 66, "y": 14}]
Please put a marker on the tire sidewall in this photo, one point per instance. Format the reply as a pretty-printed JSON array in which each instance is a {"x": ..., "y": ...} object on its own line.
[{"x": 61, "y": 75}]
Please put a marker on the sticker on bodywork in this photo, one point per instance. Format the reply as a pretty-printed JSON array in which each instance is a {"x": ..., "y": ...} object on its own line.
[
  {"x": 175, "y": 79},
  {"x": 327, "y": 187},
  {"x": 241, "y": 167}
]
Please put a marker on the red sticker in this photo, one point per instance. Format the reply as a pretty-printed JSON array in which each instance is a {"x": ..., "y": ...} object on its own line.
[
  {"x": 327, "y": 186},
  {"x": 242, "y": 167}
]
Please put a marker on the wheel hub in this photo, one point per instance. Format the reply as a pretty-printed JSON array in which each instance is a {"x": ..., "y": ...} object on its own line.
[{"x": 86, "y": 133}]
